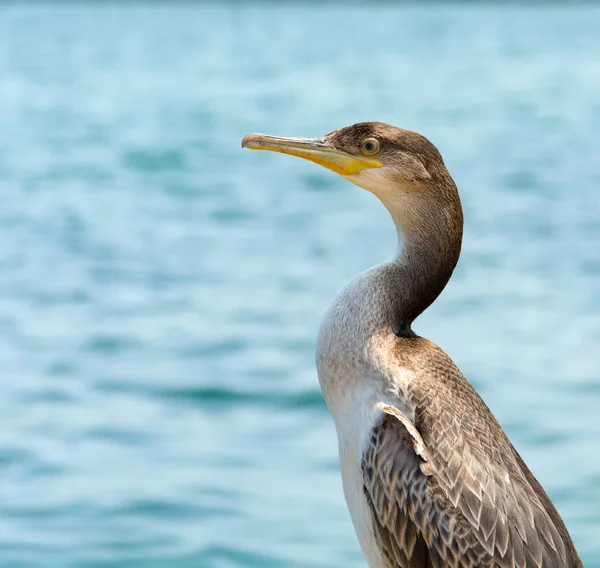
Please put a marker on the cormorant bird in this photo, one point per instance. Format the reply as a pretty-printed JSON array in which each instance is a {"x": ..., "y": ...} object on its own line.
[{"x": 429, "y": 476}]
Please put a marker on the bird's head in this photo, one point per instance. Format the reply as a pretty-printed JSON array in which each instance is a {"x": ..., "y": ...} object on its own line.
[
  {"x": 407, "y": 173},
  {"x": 401, "y": 167}
]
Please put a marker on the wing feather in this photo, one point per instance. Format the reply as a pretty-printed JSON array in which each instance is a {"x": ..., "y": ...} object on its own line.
[{"x": 451, "y": 500}]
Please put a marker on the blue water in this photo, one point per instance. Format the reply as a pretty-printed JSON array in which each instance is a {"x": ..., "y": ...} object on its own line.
[{"x": 160, "y": 288}]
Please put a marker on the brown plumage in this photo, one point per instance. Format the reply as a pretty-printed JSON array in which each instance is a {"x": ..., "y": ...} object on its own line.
[
  {"x": 467, "y": 499},
  {"x": 430, "y": 477}
]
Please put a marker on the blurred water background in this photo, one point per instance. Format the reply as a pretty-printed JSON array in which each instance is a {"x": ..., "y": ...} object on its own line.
[{"x": 160, "y": 288}]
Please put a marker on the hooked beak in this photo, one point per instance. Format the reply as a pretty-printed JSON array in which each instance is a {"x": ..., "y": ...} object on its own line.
[{"x": 313, "y": 149}]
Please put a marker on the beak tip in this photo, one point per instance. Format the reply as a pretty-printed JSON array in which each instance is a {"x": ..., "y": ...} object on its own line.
[{"x": 248, "y": 140}]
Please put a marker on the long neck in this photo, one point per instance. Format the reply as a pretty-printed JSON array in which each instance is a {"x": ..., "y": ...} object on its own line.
[{"x": 430, "y": 241}]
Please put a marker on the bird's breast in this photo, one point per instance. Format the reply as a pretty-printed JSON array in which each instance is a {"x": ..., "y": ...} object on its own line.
[
  {"x": 356, "y": 373},
  {"x": 342, "y": 345},
  {"x": 351, "y": 333}
]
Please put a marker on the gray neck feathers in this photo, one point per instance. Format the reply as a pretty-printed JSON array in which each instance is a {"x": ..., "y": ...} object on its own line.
[{"x": 431, "y": 233}]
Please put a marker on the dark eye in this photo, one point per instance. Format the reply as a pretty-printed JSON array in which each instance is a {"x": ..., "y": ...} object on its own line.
[{"x": 369, "y": 146}]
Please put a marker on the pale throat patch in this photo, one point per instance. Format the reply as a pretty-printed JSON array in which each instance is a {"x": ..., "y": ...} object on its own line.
[
  {"x": 376, "y": 180},
  {"x": 381, "y": 183}
]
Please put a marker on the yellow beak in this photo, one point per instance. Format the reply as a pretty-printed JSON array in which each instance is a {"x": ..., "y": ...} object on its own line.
[{"x": 313, "y": 149}]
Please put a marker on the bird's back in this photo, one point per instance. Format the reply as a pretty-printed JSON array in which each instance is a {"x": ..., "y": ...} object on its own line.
[{"x": 465, "y": 497}]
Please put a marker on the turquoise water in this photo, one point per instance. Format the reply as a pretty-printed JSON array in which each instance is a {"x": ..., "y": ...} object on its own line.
[{"x": 160, "y": 288}]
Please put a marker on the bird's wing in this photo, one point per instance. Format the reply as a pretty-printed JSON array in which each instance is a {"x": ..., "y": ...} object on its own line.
[{"x": 443, "y": 502}]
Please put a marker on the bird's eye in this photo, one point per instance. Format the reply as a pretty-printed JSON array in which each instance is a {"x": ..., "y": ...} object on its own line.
[{"x": 369, "y": 146}]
